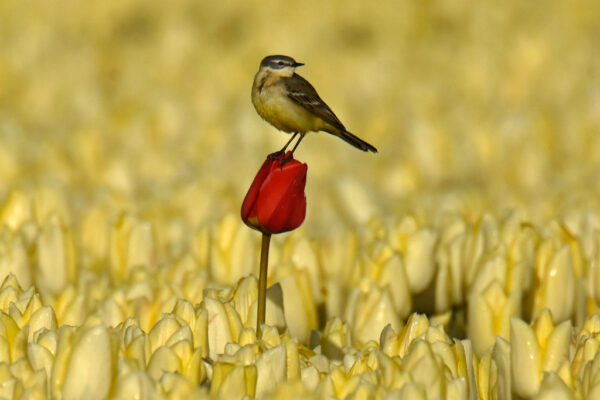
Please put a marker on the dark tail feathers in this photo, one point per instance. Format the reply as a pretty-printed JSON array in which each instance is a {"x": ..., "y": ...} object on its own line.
[{"x": 355, "y": 141}]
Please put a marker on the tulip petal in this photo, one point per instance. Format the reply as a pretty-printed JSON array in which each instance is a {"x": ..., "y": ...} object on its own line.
[
  {"x": 276, "y": 202},
  {"x": 281, "y": 204},
  {"x": 250, "y": 199}
]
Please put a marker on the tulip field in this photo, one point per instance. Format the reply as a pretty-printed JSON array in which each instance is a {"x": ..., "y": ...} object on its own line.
[{"x": 461, "y": 261}]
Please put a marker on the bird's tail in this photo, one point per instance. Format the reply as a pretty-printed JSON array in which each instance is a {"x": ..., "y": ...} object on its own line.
[{"x": 354, "y": 140}]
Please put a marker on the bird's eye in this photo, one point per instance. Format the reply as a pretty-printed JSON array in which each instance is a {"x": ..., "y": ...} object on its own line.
[{"x": 280, "y": 62}]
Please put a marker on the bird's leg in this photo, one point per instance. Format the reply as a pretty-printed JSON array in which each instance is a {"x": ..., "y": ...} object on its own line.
[
  {"x": 288, "y": 158},
  {"x": 281, "y": 152}
]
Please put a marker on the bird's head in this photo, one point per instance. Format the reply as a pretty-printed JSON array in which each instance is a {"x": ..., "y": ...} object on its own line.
[{"x": 281, "y": 65}]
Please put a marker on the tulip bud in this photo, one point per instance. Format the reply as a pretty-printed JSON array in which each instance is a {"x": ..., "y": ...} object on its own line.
[
  {"x": 136, "y": 385},
  {"x": 275, "y": 202}
]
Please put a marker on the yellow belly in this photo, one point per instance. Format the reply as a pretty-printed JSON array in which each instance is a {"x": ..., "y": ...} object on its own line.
[{"x": 275, "y": 107}]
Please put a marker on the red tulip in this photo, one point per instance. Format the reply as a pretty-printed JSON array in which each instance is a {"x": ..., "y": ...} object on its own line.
[{"x": 276, "y": 202}]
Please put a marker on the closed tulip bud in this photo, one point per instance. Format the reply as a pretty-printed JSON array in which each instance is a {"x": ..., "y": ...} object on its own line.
[{"x": 276, "y": 202}]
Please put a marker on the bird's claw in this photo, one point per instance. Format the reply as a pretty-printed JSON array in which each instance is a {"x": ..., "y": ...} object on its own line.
[
  {"x": 276, "y": 155},
  {"x": 286, "y": 159}
]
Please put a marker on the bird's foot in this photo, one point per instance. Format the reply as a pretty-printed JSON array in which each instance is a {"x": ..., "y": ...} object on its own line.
[
  {"x": 286, "y": 159},
  {"x": 276, "y": 155}
]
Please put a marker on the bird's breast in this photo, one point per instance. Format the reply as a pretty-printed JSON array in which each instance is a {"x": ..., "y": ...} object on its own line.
[{"x": 274, "y": 106}]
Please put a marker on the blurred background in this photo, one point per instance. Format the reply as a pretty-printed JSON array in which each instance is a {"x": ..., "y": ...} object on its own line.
[
  {"x": 141, "y": 101},
  {"x": 145, "y": 107},
  {"x": 128, "y": 141}
]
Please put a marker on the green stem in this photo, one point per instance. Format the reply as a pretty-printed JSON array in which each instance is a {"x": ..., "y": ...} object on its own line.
[{"x": 262, "y": 283}]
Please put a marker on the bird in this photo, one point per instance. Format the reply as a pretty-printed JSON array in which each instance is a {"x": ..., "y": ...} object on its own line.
[{"x": 291, "y": 104}]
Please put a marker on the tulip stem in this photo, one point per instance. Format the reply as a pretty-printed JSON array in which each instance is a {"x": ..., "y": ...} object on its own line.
[{"x": 262, "y": 283}]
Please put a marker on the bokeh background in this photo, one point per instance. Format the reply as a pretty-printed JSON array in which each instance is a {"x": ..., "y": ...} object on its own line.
[
  {"x": 128, "y": 141},
  {"x": 146, "y": 102}
]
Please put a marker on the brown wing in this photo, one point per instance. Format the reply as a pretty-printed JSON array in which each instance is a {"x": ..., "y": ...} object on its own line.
[{"x": 303, "y": 94}]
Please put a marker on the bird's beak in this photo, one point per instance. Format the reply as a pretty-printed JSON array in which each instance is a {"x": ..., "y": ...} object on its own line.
[{"x": 297, "y": 64}]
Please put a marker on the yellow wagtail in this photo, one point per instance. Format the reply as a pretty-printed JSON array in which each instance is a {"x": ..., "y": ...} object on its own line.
[{"x": 289, "y": 103}]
